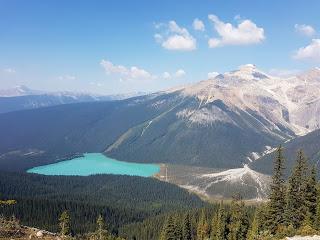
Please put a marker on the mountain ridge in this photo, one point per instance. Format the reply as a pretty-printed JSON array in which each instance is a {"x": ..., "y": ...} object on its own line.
[
  {"x": 224, "y": 122},
  {"x": 22, "y": 98}
]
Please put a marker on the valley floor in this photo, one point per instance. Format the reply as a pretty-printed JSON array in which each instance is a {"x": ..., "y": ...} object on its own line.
[{"x": 217, "y": 184}]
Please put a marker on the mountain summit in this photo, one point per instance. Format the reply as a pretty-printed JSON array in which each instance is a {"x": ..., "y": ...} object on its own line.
[{"x": 224, "y": 122}]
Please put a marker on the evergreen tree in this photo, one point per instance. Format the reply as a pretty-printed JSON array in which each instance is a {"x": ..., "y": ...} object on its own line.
[
  {"x": 178, "y": 227},
  {"x": 64, "y": 223},
  {"x": 311, "y": 194},
  {"x": 203, "y": 227},
  {"x": 276, "y": 206},
  {"x": 214, "y": 227},
  {"x": 168, "y": 231},
  {"x": 317, "y": 216},
  {"x": 101, "y": 232},
  {"x": 219, "y": 224},
  {"x": 244, "y": 227},
  {"x": 238, "y": 222},
  {"x": 186, "y": 229},
  {"x": 296, "y": 208},
  {"x": 255, "y": 225}
]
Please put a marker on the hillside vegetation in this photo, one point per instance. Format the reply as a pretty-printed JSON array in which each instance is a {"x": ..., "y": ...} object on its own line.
[{"x": 121, "y": 199}]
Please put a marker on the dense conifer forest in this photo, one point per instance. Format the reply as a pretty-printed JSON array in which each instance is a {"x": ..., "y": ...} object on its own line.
[
  {"x": 120, "y": 199},
  {"x": 147, "y": 209},
  {"x": 293, "y": 208}
]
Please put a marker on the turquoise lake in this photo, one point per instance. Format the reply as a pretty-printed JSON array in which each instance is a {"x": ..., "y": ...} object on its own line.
[{"x": 96, "y": 163}]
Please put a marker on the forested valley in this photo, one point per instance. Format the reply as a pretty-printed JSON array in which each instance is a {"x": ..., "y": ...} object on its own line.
[{"x": 141, "y": 208}]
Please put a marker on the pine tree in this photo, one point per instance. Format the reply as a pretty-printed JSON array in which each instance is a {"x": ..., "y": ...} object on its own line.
[
  {"x": 311, "y": 194},
  {"x": 64, "y": 223},
  {"x": 168, "y": 231},
  {"x": 276, "y": 205},
  {"x": 203, "y": 227},
  {"x": 101, "y": 232},
  {"x": 317, "y": 216},
  {"x": 296, "y": 208},
  {"x": 178, "y": 227},
  {"x": 219, "y": 224},
  {"x": 214, "y": 227},
  {"x": 255, "y": 226},
  {"x": 238, "y": 225},
  {"x": 186, "y": 229}
]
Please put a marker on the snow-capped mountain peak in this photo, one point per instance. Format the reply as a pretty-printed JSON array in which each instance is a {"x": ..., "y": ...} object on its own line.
[{"x": 247, "y": 72}]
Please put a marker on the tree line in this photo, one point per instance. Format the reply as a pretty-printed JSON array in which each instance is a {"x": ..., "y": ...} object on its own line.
[{"x": 293, "y": 208}]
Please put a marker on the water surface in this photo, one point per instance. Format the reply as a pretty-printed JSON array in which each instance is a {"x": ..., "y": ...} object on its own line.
[{"x": 96, "y": 163}]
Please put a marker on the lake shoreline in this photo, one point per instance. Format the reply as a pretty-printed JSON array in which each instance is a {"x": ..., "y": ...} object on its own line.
[{"x": 96, "y": 163}]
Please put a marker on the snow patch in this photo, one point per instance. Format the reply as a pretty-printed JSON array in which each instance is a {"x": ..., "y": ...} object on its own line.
[{"x": 205, "y": 115}]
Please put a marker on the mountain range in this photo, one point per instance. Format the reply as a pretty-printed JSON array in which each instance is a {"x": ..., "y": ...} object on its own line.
[
  {"x": 22, "y": 97},
  {"x": 232, "y": 121}
]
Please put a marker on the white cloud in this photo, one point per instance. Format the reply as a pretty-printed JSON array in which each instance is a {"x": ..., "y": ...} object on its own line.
[
  {"x": 212, "y": 74},
  {"x": 311, "y": 51},
  {"x": 304, "y": 29},
  {"x": 126, "y": 73},
  {"x": 283, "y": 72},
  {"x": 166, "y": 75},
  {"x": 67, "y": 77},
  {"x": 9, "y": 70},
  {"x": 137, "y": 73},
  {"x": 180, "y": 73},
  {"x": 245, "y": 33},
  {"x": 175, "y": 38},
  {"x": 198, "y": 25}
]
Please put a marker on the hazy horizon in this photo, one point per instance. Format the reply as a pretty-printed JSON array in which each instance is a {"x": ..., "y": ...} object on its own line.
[{"x": 121, "y": 47}]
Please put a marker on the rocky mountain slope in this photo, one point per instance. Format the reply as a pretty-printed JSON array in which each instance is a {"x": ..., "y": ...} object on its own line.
[
  {"x": 224, "y": 122},
  {"x": 226, "y": 117},
  {"x": 233, "y": 121},
  {"x": 309, "y": 143}
]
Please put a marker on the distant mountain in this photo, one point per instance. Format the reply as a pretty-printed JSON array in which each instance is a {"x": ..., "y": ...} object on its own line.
[
  {"x": 227, "y": 122},
  {"x": 309, "y": 143},
  {"x": 18, "y": 91},
  {"x": 22, "y": 97}
]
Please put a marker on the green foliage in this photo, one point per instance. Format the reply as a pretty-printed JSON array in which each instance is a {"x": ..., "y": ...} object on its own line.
[
  {"x": 296, "y": 208},
  {"x": 64, "y": 223},
  {"x": 317, "y": 216},
  {"x": 120, "y": 199},
  {"x": 169, "y": 230},
  {"x": 220, "y": 231},
  {"x": 253, "y": 232},
  {"x": 203, "y": 227},
  {"x": 276, "y": 205},
  {"x": 186, "y": 228},
  {"x": 154, "y": 210},
  {"x": 311, "y": 194},
  {"x": 238, "y": 225},
  {"x": 101, "y": 232}
]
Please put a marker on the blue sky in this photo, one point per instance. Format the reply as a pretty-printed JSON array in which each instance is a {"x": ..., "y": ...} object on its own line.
[{"x": 123, "y": 46}]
